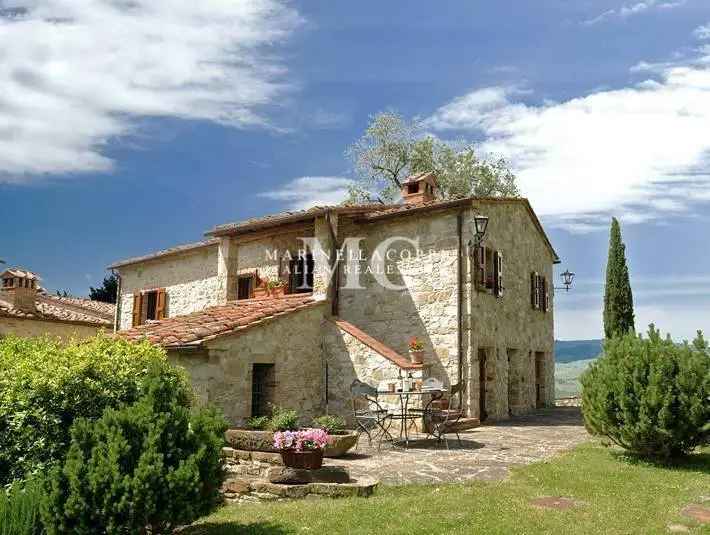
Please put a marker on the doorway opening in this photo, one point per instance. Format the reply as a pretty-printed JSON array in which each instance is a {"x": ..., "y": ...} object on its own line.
[
  {"x": 539, "y": 379},
  {"x": 262, "y": 389}
]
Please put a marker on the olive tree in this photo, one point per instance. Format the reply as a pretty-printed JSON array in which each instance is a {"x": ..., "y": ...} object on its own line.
[{"x": 393, "y": 148}]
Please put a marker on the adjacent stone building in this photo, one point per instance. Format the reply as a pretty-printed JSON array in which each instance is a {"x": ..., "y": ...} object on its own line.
[
  {"x": 289, "y": 309},
  {"x": 27, "y": 310}
]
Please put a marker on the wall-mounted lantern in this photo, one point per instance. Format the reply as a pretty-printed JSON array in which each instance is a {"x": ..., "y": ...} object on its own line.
[
  {"x": 480, "y": 224},
  {"x": 567, "y": 278}
]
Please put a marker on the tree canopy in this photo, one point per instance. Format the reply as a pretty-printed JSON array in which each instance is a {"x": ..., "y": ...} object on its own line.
[
  {"x": 393, "y": 148},
  {"x": 107, "y": 291}
]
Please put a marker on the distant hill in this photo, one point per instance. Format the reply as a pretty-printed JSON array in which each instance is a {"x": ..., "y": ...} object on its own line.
[
  {"x": 574, "y": 350},
  {"x": 567, "y": 377}
]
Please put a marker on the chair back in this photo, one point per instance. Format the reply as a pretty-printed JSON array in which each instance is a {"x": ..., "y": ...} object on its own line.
[
  {"x": 363, "y": 398},
  {"x": 456, "y": 390}
]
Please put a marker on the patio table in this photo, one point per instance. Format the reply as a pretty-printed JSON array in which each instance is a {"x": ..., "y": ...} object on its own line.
[{"x": 406, "y": 414}]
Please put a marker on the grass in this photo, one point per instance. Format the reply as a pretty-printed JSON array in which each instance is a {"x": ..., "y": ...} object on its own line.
[
  {"x": 619, "y": 495},
  {"x": 19, "y": 509}
]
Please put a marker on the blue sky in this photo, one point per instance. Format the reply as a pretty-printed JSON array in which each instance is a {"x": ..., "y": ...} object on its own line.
[{"x": 126, "y": 128}]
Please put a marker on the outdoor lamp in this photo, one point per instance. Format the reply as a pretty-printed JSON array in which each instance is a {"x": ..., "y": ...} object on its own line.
[
  {"x": 480, "y": 224},
  {"x": 567, "y": 278}
]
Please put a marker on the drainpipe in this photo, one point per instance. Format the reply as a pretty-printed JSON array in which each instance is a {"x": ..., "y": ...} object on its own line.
[{"x": 459, "y": 233}]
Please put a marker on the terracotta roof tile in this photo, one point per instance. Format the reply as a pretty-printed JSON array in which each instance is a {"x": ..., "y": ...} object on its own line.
[
  {"x": 198, "y": 327},
  {"x": 63, "y": 309}
]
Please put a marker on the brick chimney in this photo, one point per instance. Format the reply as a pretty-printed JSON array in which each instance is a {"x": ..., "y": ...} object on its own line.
[
  {"x": 419, "y": 189},
  {"x": 19, "y": 288}
]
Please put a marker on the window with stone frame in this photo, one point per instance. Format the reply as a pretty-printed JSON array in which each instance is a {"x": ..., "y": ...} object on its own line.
[{"x": 149, "y": 305}]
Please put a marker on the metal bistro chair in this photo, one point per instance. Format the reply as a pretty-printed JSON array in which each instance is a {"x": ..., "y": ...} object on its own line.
[
  {"x": 440, "y": 422},
  {"x": 370, "y": 416}
]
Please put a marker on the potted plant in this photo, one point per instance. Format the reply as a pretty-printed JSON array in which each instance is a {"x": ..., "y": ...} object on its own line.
[
  {"x": 275, "y": 287},
  {"x": 340, "y": 440},
  {"x": 416, "y": 350},
  {"x": 301, "y": 449}
]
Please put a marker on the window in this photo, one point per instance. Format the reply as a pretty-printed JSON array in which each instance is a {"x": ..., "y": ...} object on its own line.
[
  {"x": 413, "y": 188},
  {"x": 301, "y": 274},
  {"x": 489, "y": 271},
  {"x": 539, "y": 292},
  {"x": 148, "y": 305},
  {"x": 245, "y": 286}
]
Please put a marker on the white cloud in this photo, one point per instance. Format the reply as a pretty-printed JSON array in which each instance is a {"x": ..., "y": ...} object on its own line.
[
  {"x": 638, "y": 151},
  {"x": 629, "y": 10},
  {"x": 75, "y": 75},
  {"x": 308, "y": 191},
  {"x": 702, "y": 32}
]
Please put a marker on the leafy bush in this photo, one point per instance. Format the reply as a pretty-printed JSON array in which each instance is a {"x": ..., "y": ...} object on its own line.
[
  {"x": 649, "y": 395},
  {"x": 330, "y": 423},
  {"x": 283, "y": 419},
  {"x": 147, "y": 467},
  {"x": 20, "y": 508},
  {"x": 258, "y": 423},
  {"x": 45, "y": 385}
]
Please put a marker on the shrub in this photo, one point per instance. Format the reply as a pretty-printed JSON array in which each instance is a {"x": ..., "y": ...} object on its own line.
[
  {"x": 649, "y": 395},
  {"x": 330, "y": 423},
  {"x": 45, "y": 386},
  {"x": 258, "y": 423},
  {"x": 283, "y": 419},
  {"x": 147, "y": 467},
  {"x": 20, "y": 508}
]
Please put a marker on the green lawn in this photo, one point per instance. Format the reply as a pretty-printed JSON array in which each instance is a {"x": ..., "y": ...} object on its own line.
[{"x": 620, "y": 495}]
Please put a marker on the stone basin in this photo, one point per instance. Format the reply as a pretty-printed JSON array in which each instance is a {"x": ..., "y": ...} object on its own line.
[
  {"x": 339, "y": 445},
  {"x": 250, "y": 440}
]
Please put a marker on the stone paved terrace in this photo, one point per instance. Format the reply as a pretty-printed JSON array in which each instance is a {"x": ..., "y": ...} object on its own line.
[{"x": 486, "y": 452}]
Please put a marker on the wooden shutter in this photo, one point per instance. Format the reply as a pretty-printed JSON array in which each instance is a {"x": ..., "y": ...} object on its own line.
[
  {"x": 137, "y": 308},
  {"x": 546, "y": 295},
  {"x": 160, "y": 304},
  {"x": 533, "y": 290},
  {"x": 536, "y": 292},
  {"x": 498, "y": 273}
]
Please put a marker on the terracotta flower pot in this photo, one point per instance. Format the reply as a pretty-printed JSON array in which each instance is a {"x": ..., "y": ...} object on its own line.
[
  {"x": 308, "y": 459},
  {"x": 417, "y": 357}
]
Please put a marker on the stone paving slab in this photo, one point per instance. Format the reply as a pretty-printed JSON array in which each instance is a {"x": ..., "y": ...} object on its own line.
[{"x": 486, "y": 453}]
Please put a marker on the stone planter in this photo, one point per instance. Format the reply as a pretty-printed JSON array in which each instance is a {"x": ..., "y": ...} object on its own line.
[
  {"x": 417, "y": 357},
  {"x": 250, "y": 440},
  {"x": 339, "y": 445},
  {"x": 308, "y": 459}
]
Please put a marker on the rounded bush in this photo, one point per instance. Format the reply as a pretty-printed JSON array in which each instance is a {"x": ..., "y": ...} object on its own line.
[
  {"x": 650, "y": 395},
  {"x": 283, "y": 420},
  {"x": 45, "y": 385},
  {"x": 148, "y": 467}
]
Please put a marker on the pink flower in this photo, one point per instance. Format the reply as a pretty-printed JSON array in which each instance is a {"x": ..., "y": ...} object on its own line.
[{"x": 305, "y": 439}]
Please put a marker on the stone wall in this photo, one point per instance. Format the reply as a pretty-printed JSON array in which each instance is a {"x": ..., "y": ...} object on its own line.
[
  {"x": 33, "y": 328},
  {"x": 349, "y": 359},
  {"x": 507, "y": 327},
  {"x": 222, "y": 372},
  {"x": 190, "y": 282},
  {"x": 427, "y": 305}
]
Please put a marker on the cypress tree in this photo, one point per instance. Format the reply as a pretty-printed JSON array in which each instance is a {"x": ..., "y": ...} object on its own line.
[{"x": 618, "y": 300}]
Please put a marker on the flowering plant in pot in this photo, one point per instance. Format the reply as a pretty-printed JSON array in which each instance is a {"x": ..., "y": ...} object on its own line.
[
  {"x": 275, "y": 287},
  {"x": 416, "y": 350},
  {"x": 303, "y": 448}
]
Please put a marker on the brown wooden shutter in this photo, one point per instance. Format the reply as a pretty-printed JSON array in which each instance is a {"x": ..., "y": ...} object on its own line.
[
  {"x": 537, "y": 291},
  {"x": 546, "y": 295},
  {"x": 533, "y": 290},
  {"x": 160, "y": 304},
  {"x": 137, "y": 308}
]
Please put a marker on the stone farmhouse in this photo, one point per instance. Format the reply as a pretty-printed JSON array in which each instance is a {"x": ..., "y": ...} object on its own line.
[
  {"x": 289, "y": 309},
  {"x": 27, "y": 310}
]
